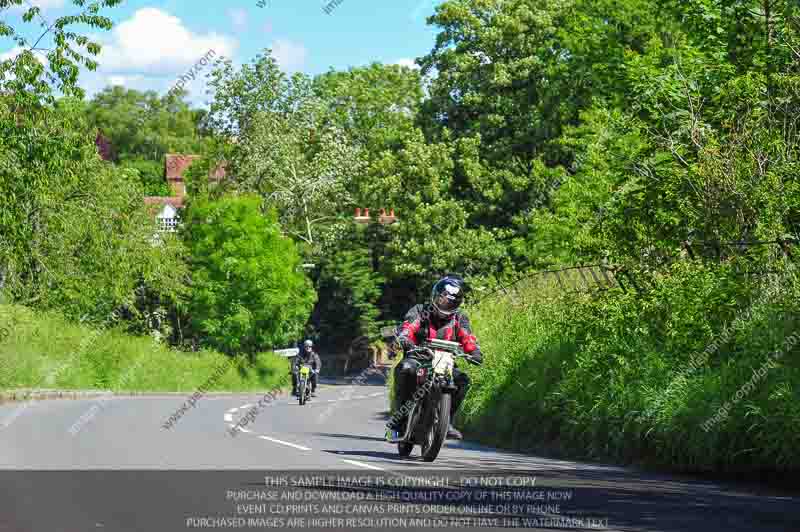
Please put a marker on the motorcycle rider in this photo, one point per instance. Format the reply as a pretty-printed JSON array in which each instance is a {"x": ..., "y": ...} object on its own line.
[
  {"x": 439, "y": 318},
  {"x": 310, "y": 357}
]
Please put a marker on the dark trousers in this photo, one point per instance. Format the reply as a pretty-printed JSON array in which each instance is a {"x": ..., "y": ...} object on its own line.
[
  {"x": 312, "y": 379},
  {"x": 405, "y": 384}
]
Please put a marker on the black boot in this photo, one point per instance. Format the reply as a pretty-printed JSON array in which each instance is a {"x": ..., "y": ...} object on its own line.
[{"x": 453, "y": 434}]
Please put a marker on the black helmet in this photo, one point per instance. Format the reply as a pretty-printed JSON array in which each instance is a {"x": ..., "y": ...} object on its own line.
[{"x": 447, "y": 295}]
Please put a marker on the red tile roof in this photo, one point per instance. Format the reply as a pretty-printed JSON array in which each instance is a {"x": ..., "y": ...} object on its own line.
[
  {"x": 155, "y": 202},
  {"x": 177, "y": 163}
]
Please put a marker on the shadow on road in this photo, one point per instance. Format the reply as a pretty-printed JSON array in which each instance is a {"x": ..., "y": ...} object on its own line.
[
  {"x": 347, "y": 436},
  {"x": 391, "y": 456},
  {"x": 622, "y": 500}
]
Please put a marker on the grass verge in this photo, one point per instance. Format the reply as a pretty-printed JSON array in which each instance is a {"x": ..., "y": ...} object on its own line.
[
  {"x": 617, "y": 376},
  {"x": 43, "y": 350}
]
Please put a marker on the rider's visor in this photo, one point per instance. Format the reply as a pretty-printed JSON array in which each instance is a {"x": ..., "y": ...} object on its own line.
[{"x": 446, "y": 304}]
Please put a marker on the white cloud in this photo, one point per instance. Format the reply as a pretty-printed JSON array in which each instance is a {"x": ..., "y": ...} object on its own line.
[
  {"x": 11, "y": 54},
  {"x": 156, "y": 43},
  {"x": 14, "y": 52},
  {"x": 239, "y": 18},
  {"x": 47, "y": 4},
  {"x": 44, "y": 5},
  {"x": 124, "y": 81},
  {"x": 289, "y": 56},
  {"x": 407, "y": 63}
]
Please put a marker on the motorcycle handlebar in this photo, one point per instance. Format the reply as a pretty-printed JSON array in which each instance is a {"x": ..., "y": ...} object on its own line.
[{"x": 429, "y": 352}]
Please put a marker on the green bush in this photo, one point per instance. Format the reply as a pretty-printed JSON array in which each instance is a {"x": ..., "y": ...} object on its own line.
[
  {"x": 248, "y": 290},
  {"x": 151, "y": 175}
]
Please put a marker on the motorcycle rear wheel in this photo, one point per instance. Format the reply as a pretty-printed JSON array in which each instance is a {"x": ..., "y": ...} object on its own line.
[{"x": 437, "y": 432}]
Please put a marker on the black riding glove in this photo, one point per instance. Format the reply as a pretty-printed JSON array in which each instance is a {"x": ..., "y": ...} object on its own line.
[{"x": 475, "y": 357}]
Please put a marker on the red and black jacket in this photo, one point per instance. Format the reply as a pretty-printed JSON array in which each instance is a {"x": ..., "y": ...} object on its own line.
[{"x": 421, "y": 324}]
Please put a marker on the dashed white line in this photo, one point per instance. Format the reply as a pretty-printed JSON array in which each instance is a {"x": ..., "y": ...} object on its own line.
[
  {"x": 228, "y": 417},
  {"x": 362, "y": 464},
  {"x": 285, "y": 443}
]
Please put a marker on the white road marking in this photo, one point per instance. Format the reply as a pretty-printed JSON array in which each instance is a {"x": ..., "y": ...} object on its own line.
[
  {"x": 285, "y": 443},
  {"x": 228, "y": 417},
  {"x": 232, "y": 410},
  {"x": 362, "y": 464},
  {"x": 246, "y": 406}
]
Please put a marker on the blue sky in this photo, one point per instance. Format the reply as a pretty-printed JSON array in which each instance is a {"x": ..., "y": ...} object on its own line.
[{"x": 153, "y": 43}]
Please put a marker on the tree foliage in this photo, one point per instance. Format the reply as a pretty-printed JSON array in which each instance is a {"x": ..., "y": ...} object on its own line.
[
  {"x": 144, "y": 126},
  {"x": 74, "y": 234},
  {"x": 248, "y": 292}
]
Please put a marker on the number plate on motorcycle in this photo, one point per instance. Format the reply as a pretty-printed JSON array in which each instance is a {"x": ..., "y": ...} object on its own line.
[{"x": 442, "y": 362}]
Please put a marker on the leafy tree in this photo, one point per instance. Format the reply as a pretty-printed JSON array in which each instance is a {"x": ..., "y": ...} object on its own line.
[
  {"x": 510, "y": 76},
  {"x": 248, "y": 292},
  {"x": 298, "y": 168},
  {"x": 74, "y": 233},
  {"x": 143, "y": 126},
  {"x": 240, "y": 96},
  {"x": 349, "y": 291},
  {"x": 25, "y": 77},
  {"x": 286, "y": 150},
  {"x": 376, "y": 105},
  {"x": 150, "y": 175}
]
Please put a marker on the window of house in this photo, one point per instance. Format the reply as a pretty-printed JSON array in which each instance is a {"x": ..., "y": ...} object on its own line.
[
  {"x": 168, "y": 225},
  {"x": 168, "y": 220}
]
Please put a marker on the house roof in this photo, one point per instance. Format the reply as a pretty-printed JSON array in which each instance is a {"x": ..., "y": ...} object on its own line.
[
  {"x": 175, "y": 201},
  {"x": 156, "y": 203},
  {"x": 177, "y": 163}
]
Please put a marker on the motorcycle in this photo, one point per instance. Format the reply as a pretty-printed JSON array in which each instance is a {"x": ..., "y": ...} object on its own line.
[
  {"x": 429, "y": 417},
  {"x": 304, "y": 383}
]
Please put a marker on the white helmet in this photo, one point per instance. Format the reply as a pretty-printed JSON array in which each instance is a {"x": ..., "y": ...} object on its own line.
[{"x": 308, "y": 343}]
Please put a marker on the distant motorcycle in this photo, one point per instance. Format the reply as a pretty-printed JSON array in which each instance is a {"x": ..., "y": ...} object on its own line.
[
  {"x": 303, "y": 384},
  {"x": 429, "y": 416}
]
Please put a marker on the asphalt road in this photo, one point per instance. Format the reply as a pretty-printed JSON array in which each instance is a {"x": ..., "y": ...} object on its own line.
[{"x": 122, "y": 468}]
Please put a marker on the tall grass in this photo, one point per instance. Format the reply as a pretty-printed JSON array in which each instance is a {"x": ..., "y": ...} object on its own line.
[
  {"x": 46, "y": 351},
  {"x": 586, "y": 374}
]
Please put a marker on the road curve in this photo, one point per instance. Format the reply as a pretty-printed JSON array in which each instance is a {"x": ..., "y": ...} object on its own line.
[{"x": 340, "y": 430}]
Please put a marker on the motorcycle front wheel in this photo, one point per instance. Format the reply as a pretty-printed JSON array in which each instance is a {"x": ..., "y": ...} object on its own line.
[
  {"x": 302, "y": 390},
  {"x": 438, "y": 429}
]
